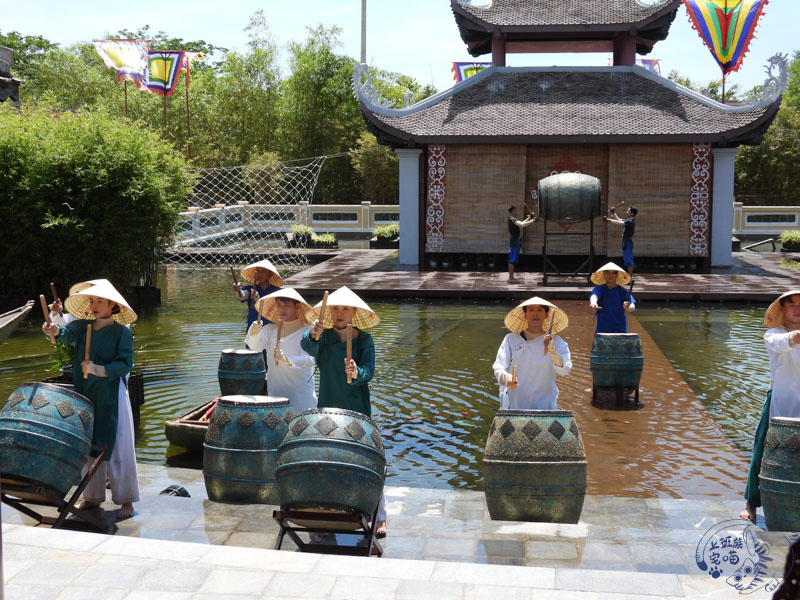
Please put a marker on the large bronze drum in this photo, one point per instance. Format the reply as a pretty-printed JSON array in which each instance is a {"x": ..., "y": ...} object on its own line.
[
  {"x": 46, "y": 435},
  {"x": 780, "y": 475},
  {"x": 569, "y": 197},
  {"x": 331, "y": 459},
  {"x": 241, "y": 447},
  {"x": 616, "y": 360},
  {"x": 534, "y": 467},
  {"x": 241, "y": 372}
]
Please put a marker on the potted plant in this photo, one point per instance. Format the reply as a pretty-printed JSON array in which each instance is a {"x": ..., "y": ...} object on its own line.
[
  {"x": 324, "y": 240},
  {"x": 385, "y": 236},
  {"x": 790, "y": 241},
  {"x": 300, "y": 236}
]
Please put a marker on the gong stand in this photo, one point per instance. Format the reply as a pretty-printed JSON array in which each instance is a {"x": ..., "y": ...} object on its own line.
[
  {"x": 18, "y": 492},
  {"x": 584, "y": 270},
  {"x": 364, "y": 528}
]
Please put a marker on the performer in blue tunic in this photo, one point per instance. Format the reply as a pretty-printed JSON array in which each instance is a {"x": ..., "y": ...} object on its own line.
[
  {"x": 628, "y": 227},
  {"x": 264, "y": 279},
  {"x": 610, "y": 300}
]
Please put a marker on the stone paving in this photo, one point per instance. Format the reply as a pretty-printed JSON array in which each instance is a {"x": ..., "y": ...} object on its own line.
[{"x": 441, "y": 544}]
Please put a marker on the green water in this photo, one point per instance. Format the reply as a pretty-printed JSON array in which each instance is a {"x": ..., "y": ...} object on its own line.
[{"x": 434, "y": 395}]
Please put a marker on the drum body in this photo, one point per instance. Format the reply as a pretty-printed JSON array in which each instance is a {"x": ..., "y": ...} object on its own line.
[
  {"x": 569, "y": 197},
  {"x": 46, "y": 434},
  {"x": 241, "y": 372},
  {"x": 779, "y": 480},
  {"x": 240, "y": 450},
  {"x": 534, "y": 467},
  {"x": 616, "y": 360},
  {"x": 331, "y": 459}
]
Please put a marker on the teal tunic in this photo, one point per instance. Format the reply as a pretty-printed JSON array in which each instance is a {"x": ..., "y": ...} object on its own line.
[
  {"x": 111, "y": 347},
  {"x": 330, "y": 352}
]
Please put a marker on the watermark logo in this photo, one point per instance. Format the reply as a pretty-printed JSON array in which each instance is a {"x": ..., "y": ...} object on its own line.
[{"x": 733, "y": 552}]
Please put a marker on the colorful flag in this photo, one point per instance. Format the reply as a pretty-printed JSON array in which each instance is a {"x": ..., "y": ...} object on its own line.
[
  {"x": 163, "y": 68},
  {"x": 651, "y": 64},
  {"x": 463, "y": 70},
  {"x": 188, "y": 59},
  {"x": 726, "y": 26},
  {"x": 127, "y": 57}
]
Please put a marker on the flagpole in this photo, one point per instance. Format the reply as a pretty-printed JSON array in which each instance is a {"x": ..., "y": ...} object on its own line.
[
  {"x": 188, "y": 126},
  {"x": 126, "y": 98}
]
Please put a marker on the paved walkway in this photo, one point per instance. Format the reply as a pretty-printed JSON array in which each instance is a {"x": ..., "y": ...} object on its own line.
[
  {"x": 441, "y": 545},
  {"x": 755, "y": 276}
]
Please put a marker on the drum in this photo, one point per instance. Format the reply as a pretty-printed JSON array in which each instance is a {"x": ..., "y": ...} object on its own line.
[
  {"x": 569, "y": 197},
  {"x": 534, "y": 467},
  {"x": 241, "y": 372},
  {"x": 331, "y": 459},
  {"x": 46, "y": 435},
  {"x": 779, "y": 480},
  {"x": 616, "y": 360},
  {"x": 240, "y": 450}
]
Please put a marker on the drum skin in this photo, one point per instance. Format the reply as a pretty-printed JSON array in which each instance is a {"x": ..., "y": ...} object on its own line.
[
  {"x": 534, "y": 467},
  {"x": 331, "y": 459},
  {"x": 241, "y": 448},
  {"x": 779, "y": 480},
  {"x": 46, "y": 435},
  {"x": 241, "y": 372},
  {"x": 616, "y": 360},
  {"x": 569, "y": 197}
]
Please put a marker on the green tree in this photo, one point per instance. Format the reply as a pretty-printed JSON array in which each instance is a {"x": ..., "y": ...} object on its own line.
[
  {"x": 376, "y": 167},
  {"x": 28, "y": 51},
  {"x": 713, "y": 89}
]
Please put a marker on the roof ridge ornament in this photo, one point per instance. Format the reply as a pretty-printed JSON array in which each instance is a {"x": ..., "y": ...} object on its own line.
[
  {"x": 775, "y": 84},
  {"x": 483, "y": 4},
  {"x": 651, "y": 3},
  {"x": 367, "y": 91}
]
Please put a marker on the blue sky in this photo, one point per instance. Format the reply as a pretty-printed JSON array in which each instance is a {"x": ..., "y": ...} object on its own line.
[{"x": 414, "y": 37}]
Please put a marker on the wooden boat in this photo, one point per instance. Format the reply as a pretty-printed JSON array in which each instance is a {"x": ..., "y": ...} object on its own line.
[
  {"x": 10, "y": 321},
  {"x": 189, "y": 430}
]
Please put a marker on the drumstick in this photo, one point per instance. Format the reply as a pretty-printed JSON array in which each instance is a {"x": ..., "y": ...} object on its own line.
[
  {"x": 46, "y": 316},
  {"x": 630, "y": 291},
  {"x": 349, "y": 351},
  {"x": 233, "y": 273},
  {"x": 615, "y": 206},
  {"x": 514, "y": 375},
  {"x": 322, "y": 311},
  {"x": 53, "y": 290},
  {"x": 278, "y": 343},
  {"x": 88, "y": 343},
  {"x": 550, "y": 328}
]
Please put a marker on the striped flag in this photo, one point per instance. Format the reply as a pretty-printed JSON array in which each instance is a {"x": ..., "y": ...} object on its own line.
[
  {"x": 127, "y": 57},
  {"x": 163, "y": 68}
]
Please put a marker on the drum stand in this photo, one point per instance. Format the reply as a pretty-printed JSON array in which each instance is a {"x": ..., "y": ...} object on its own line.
[
  {"x": 364, "y": 527},
  {"x": 620, "y": 397},
  {"x": 18, "y": 491}
]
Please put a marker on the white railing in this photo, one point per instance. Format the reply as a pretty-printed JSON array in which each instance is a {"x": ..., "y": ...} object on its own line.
[
  {"x": 221, "y": 221},
  {"x": 764, "y": 220}
]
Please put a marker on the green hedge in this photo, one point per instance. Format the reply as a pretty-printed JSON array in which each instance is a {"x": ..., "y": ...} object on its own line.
[{"x": 82, "y": 196}]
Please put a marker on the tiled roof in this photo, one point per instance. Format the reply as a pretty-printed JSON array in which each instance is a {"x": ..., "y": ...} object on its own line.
[
  {"x": 579, "y": 104},
  {"x": 537, "y": 13}
]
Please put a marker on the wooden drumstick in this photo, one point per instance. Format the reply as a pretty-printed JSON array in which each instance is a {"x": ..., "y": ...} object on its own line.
[
  {"x": 514, "y": 375},
  {"x": 54, "y": 292},
  {"x": 278, "y": 342},
  {"x": 233, "y": 274},
  {"x": 88, "y": 344},
  {"x": 349, "y": 351},
  {"x": 46, "y": 313},
  {"x": 322, "y": 311}
]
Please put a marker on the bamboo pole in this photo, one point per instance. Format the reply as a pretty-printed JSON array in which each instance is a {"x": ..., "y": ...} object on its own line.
[
  {"x": 53, "y": 291},
  {"x": 514, "y": 375},
  {"x": 46, "y": 313},
  {"x": 349, "y": 351},
  {"x": 88, "y": 344},
  {"x": 278, "y": 341},
  {"x": 322, "y": 310}
]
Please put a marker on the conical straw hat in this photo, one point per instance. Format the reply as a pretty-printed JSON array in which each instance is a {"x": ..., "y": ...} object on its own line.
[
  {"x": 78, "y": 304},
  {"x": 516, "y": 322},
  {"x": 774, "y": 315},
  {"x": 599, "y": 279},
  {"x": 268, "y": 307},
  {"x": 365, "y": 317},
  {"x": 248, "y": 273},
  {"x": 79, "y": 287}
]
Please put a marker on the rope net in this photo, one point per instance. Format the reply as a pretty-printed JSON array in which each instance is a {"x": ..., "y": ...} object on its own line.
[{"x": 244, "y": 214}]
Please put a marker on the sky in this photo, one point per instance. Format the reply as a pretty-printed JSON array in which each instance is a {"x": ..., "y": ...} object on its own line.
[{"x": 414, "y": 37}]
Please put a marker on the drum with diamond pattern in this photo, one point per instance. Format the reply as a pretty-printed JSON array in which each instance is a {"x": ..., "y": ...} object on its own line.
[
  {"x": 616, "y": 360},
  {"x": 534, "y": 467},
  {"x": 241, "y": 372},
  {"x": 779, "y": 480},
  {"x": 331, "y": 459},
  {"x": 240, "y": 450}
]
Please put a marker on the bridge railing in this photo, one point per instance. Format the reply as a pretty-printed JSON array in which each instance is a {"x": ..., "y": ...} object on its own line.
[{"x": 764, "y": 220}]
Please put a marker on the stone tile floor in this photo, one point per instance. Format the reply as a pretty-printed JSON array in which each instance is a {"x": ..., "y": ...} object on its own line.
[{"x": 441, "y": 544}]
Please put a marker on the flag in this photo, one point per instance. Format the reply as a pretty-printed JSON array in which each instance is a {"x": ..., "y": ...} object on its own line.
[
  {"x": 651, "y": 64},
  {"x": 726, "y": 27},
  {"x": 163, "y": 68},
  {"x": 463, "y": 70},
  {"x": 127, "y": 57},
  {"x": 188, "y": 59}
]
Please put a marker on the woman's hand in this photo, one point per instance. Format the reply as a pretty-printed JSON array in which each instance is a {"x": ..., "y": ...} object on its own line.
[
  {"x": 91, "y": 368},
  {"x": 50, "y": 328},
  {"x": 351, "y": 368}
]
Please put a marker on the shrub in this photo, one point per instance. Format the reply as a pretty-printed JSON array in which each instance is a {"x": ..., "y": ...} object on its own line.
[
  {"x": 84, "y": 196},
  {"x": 387, "y": 232},
  {"x": 301, "y": 230},
  {"x": 790, "y": 240},
  {"x": 327, "y": 238}
]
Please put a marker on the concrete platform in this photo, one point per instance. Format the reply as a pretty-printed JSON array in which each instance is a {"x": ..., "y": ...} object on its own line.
[{"x": 441, "y": 544}]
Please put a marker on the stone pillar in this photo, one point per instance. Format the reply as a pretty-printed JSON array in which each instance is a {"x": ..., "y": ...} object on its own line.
[
  {"x": 722, "y": 206},
  {"x": 409, "y": 202}
]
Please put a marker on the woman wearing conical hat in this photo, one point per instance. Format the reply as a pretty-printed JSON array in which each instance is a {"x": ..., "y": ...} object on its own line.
[
  {"x": 290, "y": 369},
  {"x": 103, "y": 308},
  {"x": 610, "y": 301},
  {"x": 263, "y": 279},
  {"x": 783, "y": 399},
  {"x": 531, "y": 356}
]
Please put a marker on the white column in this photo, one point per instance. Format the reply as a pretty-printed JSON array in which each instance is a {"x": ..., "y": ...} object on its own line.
[
  {"x": 722, "y": 206},
  {"x": 409, "y": 205}
]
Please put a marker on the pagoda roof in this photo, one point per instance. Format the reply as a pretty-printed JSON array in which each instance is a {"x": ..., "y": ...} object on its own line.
[
  {"x": 562, "y": 19},
  {"x": 569, "y": 105}
]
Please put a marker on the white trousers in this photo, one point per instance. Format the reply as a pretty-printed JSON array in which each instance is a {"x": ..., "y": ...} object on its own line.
[
  {"x": 121, "y": 469},
  {"x": 382, "y": 508}
]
